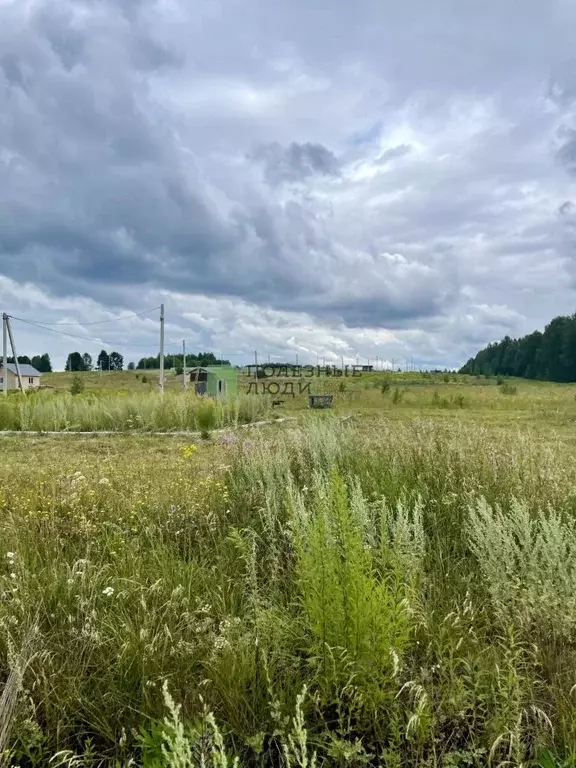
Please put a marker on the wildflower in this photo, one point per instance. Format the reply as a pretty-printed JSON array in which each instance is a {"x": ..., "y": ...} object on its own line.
[
  {"x": 11, "y": 556},
  {"x": 220, "y": 643},
  {"x": 188, "y": 451},
  {"x": 395, "y": 662},
  {"x": 109, "y": 591},
  {"x": 104, "y": 481},
  {"x": 12, "y": 575}
]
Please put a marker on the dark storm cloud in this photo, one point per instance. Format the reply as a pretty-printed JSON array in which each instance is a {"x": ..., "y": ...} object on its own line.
[
  {"x": 562, "y": 83},
  {"x": 566, "y": 153},
  {"x": 296, "y": 162},
  {"x": 125, "y": 128}
]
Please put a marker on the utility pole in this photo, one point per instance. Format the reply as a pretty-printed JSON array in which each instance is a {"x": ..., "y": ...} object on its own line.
[
  {"x": 162, "y": 349},
  {"x": 184, "y": 363},
  {"x": 14, "y": 354},
  {"x": 5, "y": 353}
]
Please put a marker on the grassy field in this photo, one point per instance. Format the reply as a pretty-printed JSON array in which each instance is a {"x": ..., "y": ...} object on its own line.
[
  {"x": 125, "y": 412},
  {"x": 396, "y": 589}
]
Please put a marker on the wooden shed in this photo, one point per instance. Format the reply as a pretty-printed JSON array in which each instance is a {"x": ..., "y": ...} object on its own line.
[{"x": 214, "y": 380}]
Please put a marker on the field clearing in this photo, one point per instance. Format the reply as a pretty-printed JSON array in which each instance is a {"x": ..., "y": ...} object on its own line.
[{"x": 398, "y": 589}]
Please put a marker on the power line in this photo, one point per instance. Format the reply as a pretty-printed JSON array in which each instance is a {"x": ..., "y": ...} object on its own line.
[
  {"x": 75, "y": 336},
  {"x": 101, "y": 322}
]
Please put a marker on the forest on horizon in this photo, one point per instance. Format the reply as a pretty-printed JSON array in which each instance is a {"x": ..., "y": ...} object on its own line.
[{"x": 548, "y": 355}]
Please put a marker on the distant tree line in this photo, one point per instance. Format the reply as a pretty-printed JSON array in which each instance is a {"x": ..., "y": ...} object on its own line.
[
  {"x": 550, "y": 355},
  {"x": 177, "y": 361},
  {"x": 114, "y": 361},
  {"x": 42, "y": 363},
  {"x": 77, "y": 361}
]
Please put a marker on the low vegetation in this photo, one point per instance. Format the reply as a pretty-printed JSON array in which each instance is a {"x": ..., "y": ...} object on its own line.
[
  {"x": 82, "y": 411},
  {"x": 386, "y": 591}
]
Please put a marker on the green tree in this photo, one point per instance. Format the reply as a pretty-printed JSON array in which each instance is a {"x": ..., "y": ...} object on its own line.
[
  {"x": 174, "y": 361},
  {"x": 22, "y": 360},
  {"x": 103, "y": 361},
  {"x": 131, "y": 366},
  {"x": 116, "y": 361},
  {"x": 550, "y": 355},
  {"x": 42, "y": 363},
  {"x": 74, "y": 362},
  {"x": 87, "y": 360},
  {"x": 550, "y": 363},
  {"x": 568, "y": 351}
]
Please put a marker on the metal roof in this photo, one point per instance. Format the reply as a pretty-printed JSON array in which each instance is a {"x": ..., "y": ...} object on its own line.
[{"x": 25, "y": 369}]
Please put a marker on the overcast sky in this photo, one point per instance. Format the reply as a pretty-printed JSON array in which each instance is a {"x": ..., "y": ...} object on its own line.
[{"x": 372, "y": 178}]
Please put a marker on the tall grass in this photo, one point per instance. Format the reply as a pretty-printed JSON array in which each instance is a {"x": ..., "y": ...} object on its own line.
[
  {"x": 364, "y": 594},
  {"x": 90, "y": 412}
]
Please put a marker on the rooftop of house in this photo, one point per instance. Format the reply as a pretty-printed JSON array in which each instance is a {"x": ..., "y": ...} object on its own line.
[{"x": 25, "y": 369}]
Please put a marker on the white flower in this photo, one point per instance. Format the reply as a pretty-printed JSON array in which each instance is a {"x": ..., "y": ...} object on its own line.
[
  {"x": 395, "y": 661},
  {"x": 109, "y": 591},
  {"x": 12, "y": 575},
  {"x": 104, "y": 481},
  {"x": 10, "y": 555},
  {"x": 220, "y": 643}
]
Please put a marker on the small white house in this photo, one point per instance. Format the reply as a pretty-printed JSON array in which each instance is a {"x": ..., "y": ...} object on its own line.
[{"x": 31, "y": 378}]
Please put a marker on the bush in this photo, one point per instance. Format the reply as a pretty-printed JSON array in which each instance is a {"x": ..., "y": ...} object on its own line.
[
  {"x": 508, "y": 389},
  {"x": 206, "y": 418},
  {"x": 342, "y": 386},
  {"x": 385, "y": 387},
  {"x": 77, "y": 386}
]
